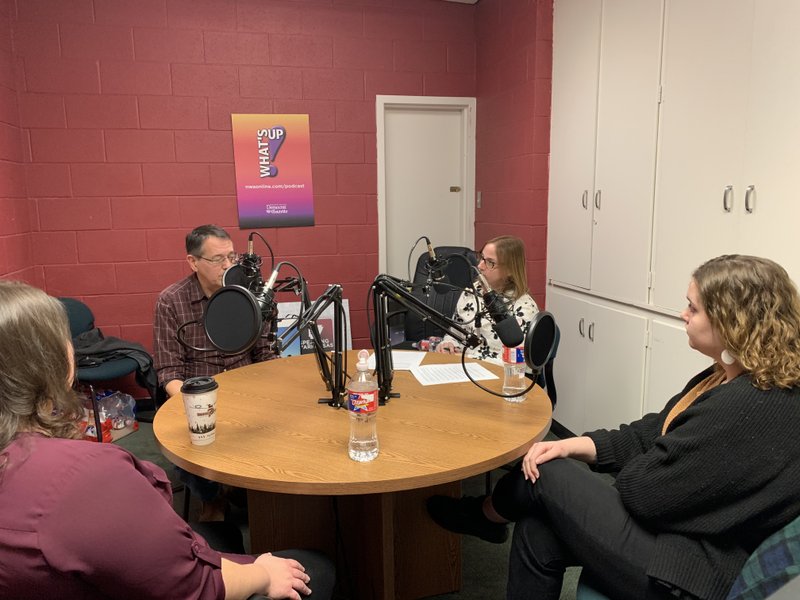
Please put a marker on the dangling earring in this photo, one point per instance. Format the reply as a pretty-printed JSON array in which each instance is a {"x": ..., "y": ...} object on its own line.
[{"x": 726, "y": 357}]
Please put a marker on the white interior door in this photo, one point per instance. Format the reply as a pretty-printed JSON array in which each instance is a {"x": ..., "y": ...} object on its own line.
[{"x": 426, "y": 176}]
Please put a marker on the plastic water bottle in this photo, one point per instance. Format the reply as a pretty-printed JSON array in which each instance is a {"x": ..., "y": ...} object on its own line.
[
  {"x": 514, "y": 383},
  {"x": 362, "y": 403}
]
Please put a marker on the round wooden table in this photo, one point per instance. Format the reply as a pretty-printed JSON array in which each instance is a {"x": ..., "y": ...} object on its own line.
[{"x": 290, "y": 452}]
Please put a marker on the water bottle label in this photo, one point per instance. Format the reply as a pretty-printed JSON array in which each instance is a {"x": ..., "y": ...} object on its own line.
[
  {"x": 513, "y": 355},
  {"x": 363, "y": 402}
]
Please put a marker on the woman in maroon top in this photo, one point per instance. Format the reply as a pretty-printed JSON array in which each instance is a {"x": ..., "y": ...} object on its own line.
[{"x": 86, "y": 520}]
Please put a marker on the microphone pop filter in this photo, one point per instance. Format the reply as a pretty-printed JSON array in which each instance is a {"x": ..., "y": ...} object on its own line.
[
  {"x": 232, "y": 320},
  {"x": 539, "y": 340},
  {"x": 235, "y": 275},
  {"x": 509, "y": 332}
]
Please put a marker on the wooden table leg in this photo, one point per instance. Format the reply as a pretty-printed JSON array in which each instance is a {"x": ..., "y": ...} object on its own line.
[{"x": 388, "y": 547}]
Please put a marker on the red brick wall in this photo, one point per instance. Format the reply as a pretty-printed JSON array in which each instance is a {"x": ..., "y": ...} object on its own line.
[
  {"x": 514, "y": 67},
  {"x": 122, "y": 112},
  {"x": 16, "y": 261},
  {"x": 125, "y": 115}
]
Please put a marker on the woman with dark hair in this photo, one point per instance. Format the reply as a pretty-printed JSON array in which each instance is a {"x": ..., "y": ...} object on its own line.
[
  {"x": 699, "y": 485},
  {"x": 502, "y": 264},
  {"x": 85, "y": 520}
]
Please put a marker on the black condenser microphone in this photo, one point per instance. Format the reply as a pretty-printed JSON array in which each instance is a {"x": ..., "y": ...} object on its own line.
[
  {"x": 251, "y": 266},
  {"x": 266, "y": 291},
  {"x": 436, "y": 270},
  {"x": 247, "y": 272},
  {"x": 505, "y": 323}
]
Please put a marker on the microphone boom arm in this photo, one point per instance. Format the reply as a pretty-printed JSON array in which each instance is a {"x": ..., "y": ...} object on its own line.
[
  {"x": 385, "y": 288},
  {"x": 334, "y": 382}
]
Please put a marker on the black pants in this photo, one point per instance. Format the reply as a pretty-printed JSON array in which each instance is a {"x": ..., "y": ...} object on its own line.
[{"x": 571, "y": 517}]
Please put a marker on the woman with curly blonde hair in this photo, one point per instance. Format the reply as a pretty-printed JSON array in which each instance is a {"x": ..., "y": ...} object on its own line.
[
  {"x": 699, "y": 484},
  {"x": 754, "y": 306}
]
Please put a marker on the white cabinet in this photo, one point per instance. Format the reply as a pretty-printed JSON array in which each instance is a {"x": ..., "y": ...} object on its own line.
[
  {"x": 576, "y": 44},
  {"x": 729, "y": 138},
  {"x": 670, "y": 364},
  {"x": 603, "y": 141},
  {"x": 772, "y": 143},
  {"x": 599, "y": 368},
  {"x": 663, "y": 155}
]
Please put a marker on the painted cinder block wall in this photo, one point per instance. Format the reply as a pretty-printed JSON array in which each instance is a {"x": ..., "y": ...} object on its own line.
[
  {"x": 115, "y": 131},
  {"x": 513, "y": 81}
]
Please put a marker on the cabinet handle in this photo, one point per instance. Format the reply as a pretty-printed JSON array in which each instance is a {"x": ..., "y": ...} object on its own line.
[
  {"x": 585, "y": 199},
  {"x": 580, "y": 328},
  {"x": 591, "y": 331},
  {"x": 597, "y": 199},
  {"x": 727, "y": 198},
  {"x": 750, "y": 199}
]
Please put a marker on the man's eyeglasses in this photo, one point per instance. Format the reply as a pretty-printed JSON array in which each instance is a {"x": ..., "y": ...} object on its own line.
[
  {"x": 490, "y": 262},
  {"x": 232, "y": 258}
]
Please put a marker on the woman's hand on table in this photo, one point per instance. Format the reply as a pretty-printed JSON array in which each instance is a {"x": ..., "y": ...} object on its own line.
[{"x": 446, "y": 348}]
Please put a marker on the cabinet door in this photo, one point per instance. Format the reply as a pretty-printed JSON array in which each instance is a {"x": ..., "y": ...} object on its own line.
[
  {"x": 671, "y": 363},
  {"x": 599, "y": 369},
  {"x": 569, "y": 368},
  {"x": 772, "y": 159},
  {"x": 615, "y": 367},
  {"x": 705, "y": 70},
  {"x": 627, "y": 123},
  {"x": 576, "y": 42}
]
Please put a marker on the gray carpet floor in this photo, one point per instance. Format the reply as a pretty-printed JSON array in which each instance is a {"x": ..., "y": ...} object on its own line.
[{"x": 484, "y": 565}]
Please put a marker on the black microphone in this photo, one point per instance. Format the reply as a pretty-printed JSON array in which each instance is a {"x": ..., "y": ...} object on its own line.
[
  {"x": 266, "y": 291},
  {"x": 248, "y": 272},
  {"x": 505, "y": 323},
  {"x": 436, "y": 270}
]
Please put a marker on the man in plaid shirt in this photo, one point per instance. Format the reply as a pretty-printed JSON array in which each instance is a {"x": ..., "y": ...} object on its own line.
[{"x": 209, "y": 251}]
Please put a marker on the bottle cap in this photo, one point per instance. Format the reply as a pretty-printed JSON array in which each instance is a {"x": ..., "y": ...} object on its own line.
[{"x": 362, "y": 365}]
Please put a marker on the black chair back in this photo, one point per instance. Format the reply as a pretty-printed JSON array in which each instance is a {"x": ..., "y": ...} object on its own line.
[
  {"x": 459, "y": 272},
  {"x": 79, "y": 315}
]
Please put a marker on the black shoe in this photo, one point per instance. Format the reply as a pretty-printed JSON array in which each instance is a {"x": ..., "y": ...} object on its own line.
[{"x": 465, "y": 515}]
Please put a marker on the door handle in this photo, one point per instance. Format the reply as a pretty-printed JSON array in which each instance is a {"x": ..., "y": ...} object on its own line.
[
  {"x": 750, "y": 199},
  {"x": 580, "y": 328},
  {"x": 597, "y": 199},
  {"x": 585, "y": 199},
  {"x": 591, "y": 331},
  {"x": 727, "y": 198}
]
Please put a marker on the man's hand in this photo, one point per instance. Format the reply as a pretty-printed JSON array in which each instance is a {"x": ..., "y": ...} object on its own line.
[{"x": 173, "y": 387}]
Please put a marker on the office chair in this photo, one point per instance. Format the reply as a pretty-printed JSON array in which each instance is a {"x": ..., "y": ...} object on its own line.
[
  {"x": 89, "y": 372},
  {"x": 459, "y": 272}
]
